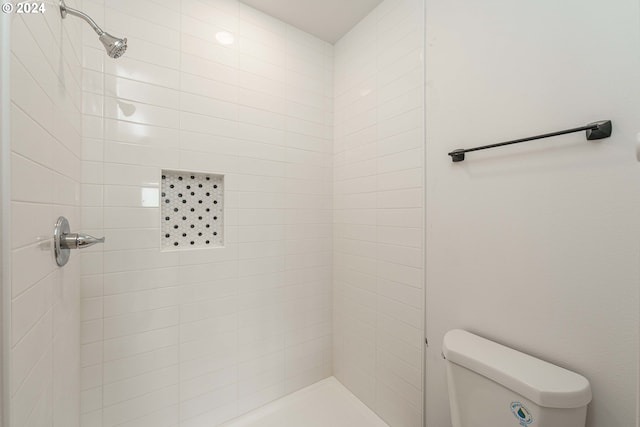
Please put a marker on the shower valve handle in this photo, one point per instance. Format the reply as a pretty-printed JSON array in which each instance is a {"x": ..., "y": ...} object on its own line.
[
  {"x": 79, "y": 241},
  {"x": 64, "y": 241}
]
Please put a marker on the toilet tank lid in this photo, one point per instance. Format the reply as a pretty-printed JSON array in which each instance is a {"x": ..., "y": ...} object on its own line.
[{"x": 545, "y": 384}]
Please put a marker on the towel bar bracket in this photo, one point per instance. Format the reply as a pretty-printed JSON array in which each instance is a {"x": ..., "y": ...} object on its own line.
[{"x": 602, "y": 130}]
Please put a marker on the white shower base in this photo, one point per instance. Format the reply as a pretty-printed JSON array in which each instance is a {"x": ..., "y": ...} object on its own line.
[{"x": 324, "y": 404}]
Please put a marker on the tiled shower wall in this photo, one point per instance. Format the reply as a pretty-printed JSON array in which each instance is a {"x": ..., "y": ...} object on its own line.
[
  {"x": 194, "y": 337},
  {"x": 378, "y": 202},
  {"x": 46, "y": 127}
]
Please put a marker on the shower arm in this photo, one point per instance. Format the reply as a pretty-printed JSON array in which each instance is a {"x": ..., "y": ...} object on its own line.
[{"x": 64, "y": 10}]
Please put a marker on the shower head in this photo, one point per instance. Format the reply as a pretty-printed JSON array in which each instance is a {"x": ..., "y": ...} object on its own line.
[{"x": 115, "y": 46}]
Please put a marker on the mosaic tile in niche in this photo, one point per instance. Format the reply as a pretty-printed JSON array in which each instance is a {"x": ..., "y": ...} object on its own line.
[{"x": 192, "y": 208}]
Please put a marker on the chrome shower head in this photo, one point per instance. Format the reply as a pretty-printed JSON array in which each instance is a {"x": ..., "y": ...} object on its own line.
[{"x": 115, "y": 47}]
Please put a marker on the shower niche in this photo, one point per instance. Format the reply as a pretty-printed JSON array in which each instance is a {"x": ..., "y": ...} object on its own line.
[{"x": 192, "y": 208}]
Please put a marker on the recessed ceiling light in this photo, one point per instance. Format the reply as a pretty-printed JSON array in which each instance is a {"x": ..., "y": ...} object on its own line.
[{"x": 224, "y": 38}]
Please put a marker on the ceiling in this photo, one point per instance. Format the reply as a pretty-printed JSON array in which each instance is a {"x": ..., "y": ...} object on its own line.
[{"x": 326, "y": 19}]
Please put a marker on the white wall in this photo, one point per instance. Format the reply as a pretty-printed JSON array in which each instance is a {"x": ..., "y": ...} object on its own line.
[
  {"x": 535, "y": 246},
  {"x": 193, "y": 338},
  {"x": 378, "y": 211},
  {"x": 46, "y": 76}
]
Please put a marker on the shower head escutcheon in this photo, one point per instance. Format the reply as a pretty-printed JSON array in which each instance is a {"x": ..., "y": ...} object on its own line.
[{"x": 115, "y": 46}]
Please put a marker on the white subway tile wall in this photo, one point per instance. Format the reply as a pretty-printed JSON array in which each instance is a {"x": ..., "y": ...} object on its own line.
[
  {"x": 196, "y": 337},
  {"x": 378, "y": 211},
  {"x": 46, "y": 129}
]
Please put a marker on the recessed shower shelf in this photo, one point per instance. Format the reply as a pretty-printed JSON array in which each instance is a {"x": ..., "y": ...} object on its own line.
[{"x": 192, "y": 208}]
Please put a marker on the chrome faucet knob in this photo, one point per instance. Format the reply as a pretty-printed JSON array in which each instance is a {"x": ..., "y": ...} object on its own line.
[
  {"x": 64, "y": 241},
  {"x": 78, "y": 241}
]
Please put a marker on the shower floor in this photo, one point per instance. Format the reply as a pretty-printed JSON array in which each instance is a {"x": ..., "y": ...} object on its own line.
[{"x": 324, "y": 404}]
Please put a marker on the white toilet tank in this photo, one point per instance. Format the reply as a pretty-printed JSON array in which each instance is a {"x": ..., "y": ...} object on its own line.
[{"x": 491, "y": 385}]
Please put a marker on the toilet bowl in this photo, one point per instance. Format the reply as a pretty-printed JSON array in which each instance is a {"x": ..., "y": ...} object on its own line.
[{"x": 491, "y": 385}]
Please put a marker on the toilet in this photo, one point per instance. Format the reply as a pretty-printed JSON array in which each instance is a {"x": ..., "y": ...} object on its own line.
[{"x": 491, "y": 385}]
